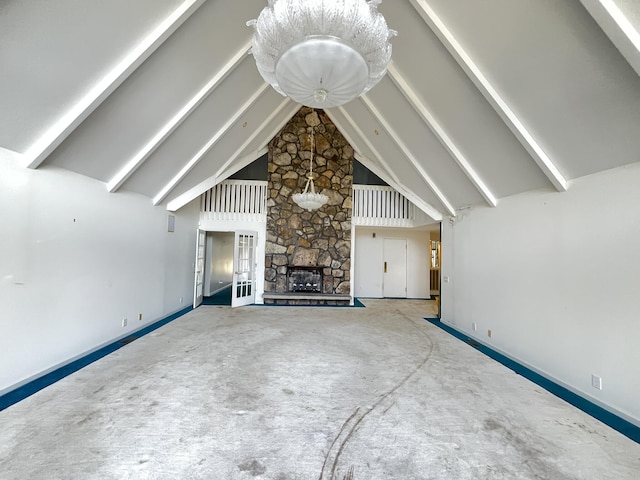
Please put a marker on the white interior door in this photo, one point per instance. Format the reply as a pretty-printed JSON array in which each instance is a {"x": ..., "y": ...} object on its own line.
[
  {"x": 243, "y": 291},
  {"x": 394, "y": 280},
  {"x": 199, "y": 270}
]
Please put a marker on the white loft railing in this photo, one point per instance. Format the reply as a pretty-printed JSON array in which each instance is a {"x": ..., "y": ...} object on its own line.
[
  {"x": 246, "y": 201},
  {"x": 382, "y": 206},
  {"x": 235, "y": 200}
]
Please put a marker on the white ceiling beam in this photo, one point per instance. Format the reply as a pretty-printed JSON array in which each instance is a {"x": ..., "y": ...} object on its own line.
[
  {"x": 238, "y": 165},
  {"x": 386, "y": 173},
  {"x": 229, "y": 167},
  {"x": 162, "y": 194},
  {"x": 441, "y": 134},
  {"x": 165, "y": 132},
  {"x": 618, "y": 28},
  {"x": 234, "y": 164},
  {"x": 425, "y": 207},
  {"x": 280, "y": 125},
  {"x": 61, "y": 129},
  {"x": 194, "y": 192},
  {"x": 408, "y": 154},
  {"x": 491, "y": 94}
]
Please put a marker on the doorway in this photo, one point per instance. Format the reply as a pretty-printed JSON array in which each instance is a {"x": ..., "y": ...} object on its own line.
[
  {"x": 225, "y": 268},
  {"x": 394, "y": 282}
]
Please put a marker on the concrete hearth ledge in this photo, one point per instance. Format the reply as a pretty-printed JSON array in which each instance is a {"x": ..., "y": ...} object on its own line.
[{"x": 305, "y": 296}]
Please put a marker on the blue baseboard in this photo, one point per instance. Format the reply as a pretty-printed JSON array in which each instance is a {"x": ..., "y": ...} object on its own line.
[
  {"x": 614, "y": 421},
  {"x": 28, "y": 389}
]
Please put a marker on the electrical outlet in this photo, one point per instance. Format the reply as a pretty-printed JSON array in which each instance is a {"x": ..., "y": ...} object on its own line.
[
  {"x": 124, "y": 322},
  {"x": 139, "y": 316},
  {"x": 596, "y": 382},
  {"x": 489, "y": 333},
  {"x": 474, "y": 325}
]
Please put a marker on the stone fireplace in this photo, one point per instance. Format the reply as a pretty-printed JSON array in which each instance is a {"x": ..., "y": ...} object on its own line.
[{"x": 309, "y": 241}]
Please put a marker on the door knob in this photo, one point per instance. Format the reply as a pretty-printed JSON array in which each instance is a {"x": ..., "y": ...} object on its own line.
[{"x": 385, "y": 267}]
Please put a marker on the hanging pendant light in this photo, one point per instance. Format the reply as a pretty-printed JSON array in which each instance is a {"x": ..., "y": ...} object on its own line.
[
  {"x": 309, "y": 199},
  {"x": 322, "y": 53}
]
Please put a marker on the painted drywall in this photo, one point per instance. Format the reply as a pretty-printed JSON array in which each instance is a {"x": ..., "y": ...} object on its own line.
[
  {"x": 220, "y": 259},
  {"x": 555, "y": 277},
  {"x": 238, "y": 226},
  {"x": 368, "y": 261},
  {"x": 75, "y": 261}
]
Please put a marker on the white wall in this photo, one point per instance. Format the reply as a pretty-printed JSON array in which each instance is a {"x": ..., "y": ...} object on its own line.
[
  {"x": 556, "y": 277},
  {"x": 368, "y": 261},
  {"x": 75, "y": 260}
]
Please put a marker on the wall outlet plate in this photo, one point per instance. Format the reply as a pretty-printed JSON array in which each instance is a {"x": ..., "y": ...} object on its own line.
[{"x": 596, "y": 382}]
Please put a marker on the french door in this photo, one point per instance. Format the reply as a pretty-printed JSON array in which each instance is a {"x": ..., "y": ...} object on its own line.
[
  {"x": 198, "y": 288},
  {"x": 243, "y": 291}
]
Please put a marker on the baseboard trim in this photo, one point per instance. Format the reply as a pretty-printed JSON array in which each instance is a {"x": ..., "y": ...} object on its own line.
[
  {"x": 625, "y": 427},
  {"x": 38, "y": 383}
]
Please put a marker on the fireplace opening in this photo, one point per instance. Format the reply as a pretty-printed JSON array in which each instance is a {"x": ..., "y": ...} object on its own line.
[{"x": 305, "y": 279}]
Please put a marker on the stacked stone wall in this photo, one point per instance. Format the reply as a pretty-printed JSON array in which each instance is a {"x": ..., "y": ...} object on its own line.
[{"x": 297, "y": 237}]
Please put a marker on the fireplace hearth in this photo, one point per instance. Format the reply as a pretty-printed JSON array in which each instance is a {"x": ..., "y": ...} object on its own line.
[{"x": 305, "y": 279}]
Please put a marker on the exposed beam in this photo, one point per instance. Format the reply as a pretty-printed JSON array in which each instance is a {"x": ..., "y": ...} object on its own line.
[
  {"x": 226, "y": 171},
  {"x": 441, "y": 134},
  {"x": 132, "y": 165},
  {"x": 60, "y": 130},
  {"x": 491, "y": 94},
  {"x": 280, "y": 125},
  {"x": 238, "y": 165},
  {"x": 227, "y": 168},
  {"x": 408, "y": 154},
  {"x": 162, "y": 194},
  {"x": 386, "y": 173},
  {"x": 194, "y": 192},
  {"x": 618, "y": 28}
]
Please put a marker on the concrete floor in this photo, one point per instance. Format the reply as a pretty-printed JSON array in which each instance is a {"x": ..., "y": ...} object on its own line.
[{"x": 288, "y": 393}]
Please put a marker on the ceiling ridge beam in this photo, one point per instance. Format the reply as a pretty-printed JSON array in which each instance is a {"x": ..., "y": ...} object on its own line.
[
  {"x": 615, "y": 24},
  {"x": 441, "y": 135},
  {"x": 491, "y": 94},
  {"x": 409, "y": 155},
  {"x": 162, "y": 194},
  {"x": 387, "y": 175},
  {"x": 188, "y": 108},
  {"x": 78, "y": 113}
]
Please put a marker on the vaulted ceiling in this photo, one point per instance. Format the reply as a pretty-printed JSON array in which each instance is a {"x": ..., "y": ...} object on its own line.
[{"x": 483, "y": 99}]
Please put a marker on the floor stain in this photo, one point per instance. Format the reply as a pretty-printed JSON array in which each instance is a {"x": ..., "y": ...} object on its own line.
[{"x": 254, "y": 467}]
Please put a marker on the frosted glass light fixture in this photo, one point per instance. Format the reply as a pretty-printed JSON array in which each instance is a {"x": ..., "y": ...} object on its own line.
[
  {"x": 322, "y": 53},
  {"x": 309, "y": 199}
]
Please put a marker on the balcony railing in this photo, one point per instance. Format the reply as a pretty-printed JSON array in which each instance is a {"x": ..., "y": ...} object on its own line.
[
  {"x": 235, "y": 200},
  {"x": 246, "y": 201},
  {"x": 381, "y": 206}
]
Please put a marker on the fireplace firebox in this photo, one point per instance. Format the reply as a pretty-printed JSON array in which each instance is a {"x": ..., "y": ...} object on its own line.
[{"x": 305, "y": 279}]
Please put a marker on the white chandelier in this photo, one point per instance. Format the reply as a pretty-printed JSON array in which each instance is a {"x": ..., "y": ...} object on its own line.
[
  {"x": 322, "y": 53},
  {"x": 309, "y": 199}
]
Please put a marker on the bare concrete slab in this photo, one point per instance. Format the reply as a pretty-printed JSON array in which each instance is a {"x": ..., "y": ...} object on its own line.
[{"x": 288, "y": 393}]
